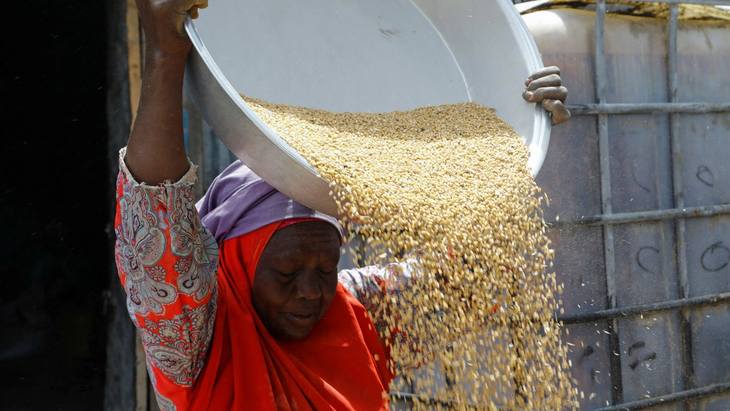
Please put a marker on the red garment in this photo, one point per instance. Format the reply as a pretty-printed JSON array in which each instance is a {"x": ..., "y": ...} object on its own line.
[
  {"x": 180, "y": 293},
  {"x": 340, "y": 365},
  {"x": 292, "y": 221}
]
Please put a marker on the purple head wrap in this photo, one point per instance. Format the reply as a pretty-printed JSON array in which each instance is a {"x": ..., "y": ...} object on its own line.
[{"x": 239, "y": 202}]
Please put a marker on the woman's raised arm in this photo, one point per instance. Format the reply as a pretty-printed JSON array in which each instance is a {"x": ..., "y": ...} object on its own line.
[{"x": 156, "y": 148}]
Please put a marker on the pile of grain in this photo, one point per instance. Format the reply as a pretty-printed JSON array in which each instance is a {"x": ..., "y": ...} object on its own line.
[{"x": 449, "y": 184}]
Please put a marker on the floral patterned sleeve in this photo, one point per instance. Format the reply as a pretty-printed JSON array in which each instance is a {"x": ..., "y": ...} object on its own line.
[
  {"x": 167, "y": 261},
  {"x": 371, "y": 285},
  {"x": 380, "y": 288}
]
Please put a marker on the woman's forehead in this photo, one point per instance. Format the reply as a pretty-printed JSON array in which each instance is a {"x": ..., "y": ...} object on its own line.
[{"x": 310, "y": 236}]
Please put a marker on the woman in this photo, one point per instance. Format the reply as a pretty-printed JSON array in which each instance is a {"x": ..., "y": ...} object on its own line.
[{"x": 239, "y": 303}]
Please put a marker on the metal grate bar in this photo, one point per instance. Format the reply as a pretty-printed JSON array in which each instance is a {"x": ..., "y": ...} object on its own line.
[
  {"x": 685, "y": 324},
  {"x": 411, "y": 398},
  {"x": 645, "y": 309},
  {"x": 643, "y": 216},
  {"x": 605, "y": 164},
  {"x": 705, "y": 2},
  {"x": 677, "y": 182},
  {"x": 670, "y": 398},
  {"x": 706, "y": 391},
  {"x": 647, "y": 108}
]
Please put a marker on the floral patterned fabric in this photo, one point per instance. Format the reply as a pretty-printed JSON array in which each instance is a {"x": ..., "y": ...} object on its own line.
[
  {"x": 167, "y": 261},
  {"x": 370, "y": 284},
  {"x": 387, "y": 285}
]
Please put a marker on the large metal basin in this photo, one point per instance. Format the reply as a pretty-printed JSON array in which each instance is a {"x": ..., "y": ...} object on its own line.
[{"x": 355, "y": 55}]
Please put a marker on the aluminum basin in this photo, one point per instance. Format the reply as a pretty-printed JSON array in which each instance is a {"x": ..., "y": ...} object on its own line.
[{"x": 355, "y": 55}]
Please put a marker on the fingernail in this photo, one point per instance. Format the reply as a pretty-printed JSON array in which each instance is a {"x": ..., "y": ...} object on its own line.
[{"x": 528, "y": 94}]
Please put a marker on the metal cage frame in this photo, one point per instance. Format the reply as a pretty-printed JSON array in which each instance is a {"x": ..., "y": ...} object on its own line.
[{"x": 608, "y": 219}]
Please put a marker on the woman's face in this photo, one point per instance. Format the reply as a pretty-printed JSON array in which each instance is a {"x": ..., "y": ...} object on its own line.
[{"x": 296, "y": 278}]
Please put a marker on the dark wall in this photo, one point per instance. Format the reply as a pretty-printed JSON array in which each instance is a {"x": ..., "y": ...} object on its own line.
[{"x": 54, "y": 258}]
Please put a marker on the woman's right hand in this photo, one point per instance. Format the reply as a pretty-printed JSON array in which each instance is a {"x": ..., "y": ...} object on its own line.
[{"x": 162, "y": 21}]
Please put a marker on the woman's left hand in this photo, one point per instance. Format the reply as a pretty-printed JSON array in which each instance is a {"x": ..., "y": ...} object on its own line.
[{"x": 544, "y": 86}]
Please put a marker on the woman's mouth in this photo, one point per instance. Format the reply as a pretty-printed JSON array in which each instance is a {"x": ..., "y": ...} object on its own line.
[{"x": 301, "y": 320}]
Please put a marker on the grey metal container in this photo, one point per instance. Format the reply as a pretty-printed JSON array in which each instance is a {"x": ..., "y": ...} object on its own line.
[{"x": 610, "y": 167}]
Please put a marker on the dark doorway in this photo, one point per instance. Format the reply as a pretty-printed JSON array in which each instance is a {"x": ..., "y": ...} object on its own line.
[{"x": 53, "y": 206}]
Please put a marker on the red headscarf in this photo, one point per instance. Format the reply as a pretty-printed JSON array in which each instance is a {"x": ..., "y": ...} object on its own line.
[{"x": 340, "y": 365}]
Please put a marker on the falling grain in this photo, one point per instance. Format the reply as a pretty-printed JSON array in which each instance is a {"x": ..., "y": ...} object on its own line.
[{"x": 450, "y": 185}]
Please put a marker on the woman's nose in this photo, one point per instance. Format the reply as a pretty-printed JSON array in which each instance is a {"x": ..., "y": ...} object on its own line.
[{"x": 308, "y": 286}]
